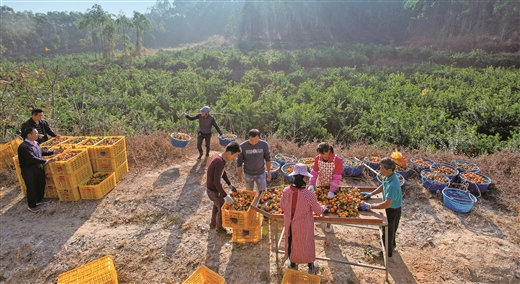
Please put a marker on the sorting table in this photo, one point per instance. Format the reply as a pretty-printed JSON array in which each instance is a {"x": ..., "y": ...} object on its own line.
[{"x": 374, "y": 219}]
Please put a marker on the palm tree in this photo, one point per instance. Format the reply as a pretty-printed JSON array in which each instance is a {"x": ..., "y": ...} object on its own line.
[{"x": 141, "y": 23}]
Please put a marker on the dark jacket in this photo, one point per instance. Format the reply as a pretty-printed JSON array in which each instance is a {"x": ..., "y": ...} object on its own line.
[
  {"x": 45, "y": 126},
  {"x": 31, "y": 155},
  {"x": 205, "y": 123}
]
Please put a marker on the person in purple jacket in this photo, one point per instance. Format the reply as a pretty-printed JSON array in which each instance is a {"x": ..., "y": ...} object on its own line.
[
  {"x": 31, "y": 165},
  {"x": 206, "y": 121},
  {"x": 216, "y": 172}
]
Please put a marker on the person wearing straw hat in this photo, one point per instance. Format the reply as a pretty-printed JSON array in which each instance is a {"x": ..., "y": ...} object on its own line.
[
  {"x": 206, "y": 121},
  {"x": 327, "y": 170},
  {"x": 298, "y": 205},
  {"x": 392, "y": 199}
]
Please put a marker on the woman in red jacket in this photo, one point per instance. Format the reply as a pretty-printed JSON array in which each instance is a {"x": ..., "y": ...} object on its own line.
[
  {"x": 326, "y": 171},
  {"x": 298, "y": 205}
]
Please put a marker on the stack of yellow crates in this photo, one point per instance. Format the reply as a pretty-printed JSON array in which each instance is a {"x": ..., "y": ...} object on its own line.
[
  {"x": 109, "y": 156},
  {"x": 247, "y": 225},
  {"x": 71, "y": 170},
  {"x": 8, "y": 151}
]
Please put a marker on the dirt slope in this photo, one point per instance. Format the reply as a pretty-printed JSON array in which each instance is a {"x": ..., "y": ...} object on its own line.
[{"x": 155, "y": 224}]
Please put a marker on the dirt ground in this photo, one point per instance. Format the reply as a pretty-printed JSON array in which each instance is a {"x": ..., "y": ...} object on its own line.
[{"x": 155, "y": 224}]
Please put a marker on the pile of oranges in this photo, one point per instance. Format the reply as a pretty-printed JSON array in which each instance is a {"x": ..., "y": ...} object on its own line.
[
  {"x": 435, "y": 177},
  {"x": 444, "y": 170},
  {"x": 474, "y": 178},
  {"x": 67, "y": 156},
  {"x": 243, "y": 200},
  {"x": 97, "y": 179},
  {"x": 181, "y": 136},
  {"x": 270, "y": 200},
  {"x": 345, "y": 202}
]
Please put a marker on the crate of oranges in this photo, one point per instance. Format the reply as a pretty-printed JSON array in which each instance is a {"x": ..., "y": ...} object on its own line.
[
  {"x": 237, "y": 215},
  {"x": 98, "y": 186}
]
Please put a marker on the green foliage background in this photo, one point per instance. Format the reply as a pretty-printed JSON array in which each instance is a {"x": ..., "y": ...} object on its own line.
[{"x": 302, "y": 95}]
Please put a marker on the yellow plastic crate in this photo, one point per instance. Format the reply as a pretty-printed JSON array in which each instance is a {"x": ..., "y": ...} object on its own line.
[
  {"x": 251, "y": 235},
  {"x": 55, "y": 141},
  {"x": 121, "y": 171},
  {"x": 109, "y": 151},
  {"x": 6, "y": 155},
  {"x": 99, "y": 271},
  {"x": 238, "y": 219},
  {"x": 71, "y": 165},
  {"x": 204, "y": 275},
  {"x": 14, "y": 144},
  {"x": 292, "y": 276},
  {"x": 89, "y": 144},
  {"x": 73, "y": 180},
  {"x": 99, "y": 190},
  {"x": 50, "y": 191},
  {"x": 74, "y": 141},
  {"x": 68, "y": 194},
  {"x": 110, "y": 164}
]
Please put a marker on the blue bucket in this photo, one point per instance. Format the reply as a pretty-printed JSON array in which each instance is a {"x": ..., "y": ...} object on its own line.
[
  {"x": 288, "y": 179},
  {"x": 225, "y": 141},
  {"x": 452, "y": 176},
  {"x": 432, "y": 185},
  {"x": 275, "y": 168},
  {"x": 179, "y": 143},
  {"x": 373, "y": 165},
  {"x": 458, "y": 200},
  {"x": 418, "y": 167},
  {"x": 476, "y": 187},
  {"x": 404, "y": 173},
  {"x": 464, "y": 166},
  {"x": 399, "y": 176},
  {"x": 352, "y": 167},
  {"x": 285, "y": 158}
]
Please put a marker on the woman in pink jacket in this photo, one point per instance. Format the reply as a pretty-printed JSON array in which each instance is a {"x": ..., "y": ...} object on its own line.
[
  {"x": 326, "y": 171},
  {"x": 298, "y": 205}
]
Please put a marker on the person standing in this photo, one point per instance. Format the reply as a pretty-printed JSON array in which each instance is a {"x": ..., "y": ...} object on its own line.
[
  {"x": 42, "y": 126},
  {"x": 298, "y": 205},
  {"x": 253, "y": 160},
  {"x": 327, "y": 170},
  {"x": 206, "y": 121},
  {"x": 214, "y": 188},
  {"x": 392, "y": 200},
  {"x": 31, "y": 165}
]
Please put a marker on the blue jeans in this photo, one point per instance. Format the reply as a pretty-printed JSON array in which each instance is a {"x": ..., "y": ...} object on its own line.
[{"x": 261, "y": 181}]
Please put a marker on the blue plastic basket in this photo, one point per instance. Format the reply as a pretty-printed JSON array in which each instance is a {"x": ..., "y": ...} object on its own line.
[
  {"x": 275, "y": 168},
  {"x": 373, "y": 165},
  {"x": 352, "y": 170},
  {"x": 225, "y": 141},
  {"x": 431, "y": 185},
  {"x": 404, "y": 173},
  {"x": 419, "y": 168},
  {"x": 462, "y": 166},
  {"x": 476, "y": 187},
  {"x": 451, "y": 176},
  {"x": 399, "y": 176},
  {"x": 285, "y": 158},
  {"x": 179, "y": 143},
  {"x": 288, "y": 179},
  {"x": 458, "y": 200}
]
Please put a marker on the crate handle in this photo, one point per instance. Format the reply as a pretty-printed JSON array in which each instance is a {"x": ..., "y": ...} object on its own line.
[{"x": 234, "y": 220}]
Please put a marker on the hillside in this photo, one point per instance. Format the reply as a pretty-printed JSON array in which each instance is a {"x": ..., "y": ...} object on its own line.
[{"x": 155, "y": 224}]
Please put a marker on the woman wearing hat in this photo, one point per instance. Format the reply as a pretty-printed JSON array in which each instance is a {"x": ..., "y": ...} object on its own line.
[
  {"x": 206, "y": 121},
  {"x": 298, "y": 205},
  {"x": 327, "y": 170}
]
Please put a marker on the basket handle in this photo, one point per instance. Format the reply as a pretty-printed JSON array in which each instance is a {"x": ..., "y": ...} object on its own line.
[{"x": 465, "y": 184}]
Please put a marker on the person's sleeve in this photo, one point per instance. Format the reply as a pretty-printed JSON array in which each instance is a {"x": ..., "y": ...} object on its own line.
[
  {"x": 337, "y": 176},
  {"x": 193, "y": 117},
  {"x": 240, "y": 158},
  {"x": 214, "y": 123},
  {"x": 225, "y": 178},
  {"x": 48, "y": 130},
  {"x": 47, "y": 152},
  {"x": 313, "y": 202},
  {"x": 284, "y": 200},
  {"x": 314, "y": 172},
  {"x": 267, "y": 153},
  {"x": 216, "y": 179}
]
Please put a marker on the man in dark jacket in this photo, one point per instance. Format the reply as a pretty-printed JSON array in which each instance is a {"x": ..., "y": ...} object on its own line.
[
  {"x": 36, "y": 121},
  {"x": 31, "y": 164},
  {"x": 206, "y": 121}
]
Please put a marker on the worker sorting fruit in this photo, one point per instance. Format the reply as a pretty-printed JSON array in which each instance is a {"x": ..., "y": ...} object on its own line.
[
  {"x": 326, "y": 171},
  {"x": 298, "y": 205}
]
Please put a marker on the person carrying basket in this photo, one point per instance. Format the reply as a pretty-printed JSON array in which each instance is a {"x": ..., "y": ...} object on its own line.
[{"x": 206, "y": 121}]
